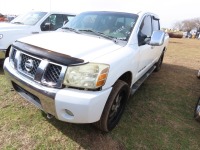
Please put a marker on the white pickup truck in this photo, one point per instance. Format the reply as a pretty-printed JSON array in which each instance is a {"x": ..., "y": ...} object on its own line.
[
  {"x": 86, "y": 71},
  {"x": 28, "y": 24}
]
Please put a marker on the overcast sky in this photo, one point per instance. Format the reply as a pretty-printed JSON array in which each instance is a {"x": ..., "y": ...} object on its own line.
[{"x": 169, "y": 11}]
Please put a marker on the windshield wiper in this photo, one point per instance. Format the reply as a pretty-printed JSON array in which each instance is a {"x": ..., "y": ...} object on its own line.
[
  {"x": 70, "y": 29},
  {"x": 100, "y": 34},
  {"x": 17, "y": 22}
]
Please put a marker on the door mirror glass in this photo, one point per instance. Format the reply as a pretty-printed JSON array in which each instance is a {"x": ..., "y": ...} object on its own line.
[
  {"x": 46, "y": 27},
  {"x": 157, "y": 38}
]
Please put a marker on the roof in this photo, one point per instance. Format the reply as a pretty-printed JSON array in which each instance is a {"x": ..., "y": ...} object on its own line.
[
  {"x": 134, "y": 11},
  {"x": 54, "y": 12}
]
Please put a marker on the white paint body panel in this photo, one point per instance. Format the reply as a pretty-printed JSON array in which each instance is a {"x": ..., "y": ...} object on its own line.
[
  {"x": 81, "y": 46},
  {"x": 87, "y": 106}
]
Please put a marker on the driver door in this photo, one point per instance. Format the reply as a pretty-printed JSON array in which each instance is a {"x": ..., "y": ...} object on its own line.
[{"x": 146, "y": 52}]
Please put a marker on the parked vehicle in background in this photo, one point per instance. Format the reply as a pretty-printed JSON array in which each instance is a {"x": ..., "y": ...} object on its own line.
[
  {"x": 198, "y": 74},
  {"x": 85, "y": 72},
  {"x": 28, "y": 24},
  {"x": 2, "y": 18},
  {"x": 9, "y": 18},
  {"x": 188, "y": 35},
  {"x": 197, "y": 107},
  {"x": 197, "y": 111}
]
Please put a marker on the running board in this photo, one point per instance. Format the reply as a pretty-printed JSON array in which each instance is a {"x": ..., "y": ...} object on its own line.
[{"x": 138, "y": 83}]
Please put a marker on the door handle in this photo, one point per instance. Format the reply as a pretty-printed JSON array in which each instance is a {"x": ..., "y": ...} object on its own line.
[
  {"x": 35, "y": 32},
  {"x": 152, "y": 47}
]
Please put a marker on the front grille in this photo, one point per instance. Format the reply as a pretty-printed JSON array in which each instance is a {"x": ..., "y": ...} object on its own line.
[
  {"x": 52, "y": 73},
  {"x": 42, "y": 71},
  {"x": 29, "y": 71}
]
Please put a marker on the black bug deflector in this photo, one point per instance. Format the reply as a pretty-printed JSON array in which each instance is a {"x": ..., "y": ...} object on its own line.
[{"x": 47, "y": 54}]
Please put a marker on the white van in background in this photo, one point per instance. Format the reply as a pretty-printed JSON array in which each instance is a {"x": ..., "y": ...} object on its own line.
[{"x": 28, "y": 24}]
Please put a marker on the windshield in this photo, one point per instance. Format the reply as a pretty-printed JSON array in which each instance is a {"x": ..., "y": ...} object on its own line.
[
  {"x": 112, "y": 24},
  {"x": 30, "y": 18}
]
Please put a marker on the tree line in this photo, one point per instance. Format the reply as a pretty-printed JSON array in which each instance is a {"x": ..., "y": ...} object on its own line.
[{"x": 187, "y": 25}]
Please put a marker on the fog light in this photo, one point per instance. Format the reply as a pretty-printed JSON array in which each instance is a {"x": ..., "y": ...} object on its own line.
[{"x": 69, "y": 112}]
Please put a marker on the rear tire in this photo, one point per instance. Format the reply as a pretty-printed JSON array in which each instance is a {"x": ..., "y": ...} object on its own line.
[
  {"x": 197, "y": 111},
  {"x": 159, "y": 63},
  {"x": 114, "y": 107}
]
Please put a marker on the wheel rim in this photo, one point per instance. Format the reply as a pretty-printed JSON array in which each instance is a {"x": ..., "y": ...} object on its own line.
[
  {"x": 115, "y": 106},
  {"x": 116, "y": 109}
]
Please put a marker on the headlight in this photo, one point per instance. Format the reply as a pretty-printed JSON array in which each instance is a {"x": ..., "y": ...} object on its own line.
[
  {"x": 1, "y": 36},
  {"x": 88, "y": 76}
]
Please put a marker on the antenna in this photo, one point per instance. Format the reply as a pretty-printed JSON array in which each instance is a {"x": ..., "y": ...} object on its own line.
[{"x": 50, "y": 5}]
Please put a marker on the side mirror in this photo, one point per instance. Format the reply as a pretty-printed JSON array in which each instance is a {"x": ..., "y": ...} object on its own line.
[
  {"x": 66, "y": 21},
  {"x": 157, "y": 38},
  {"x": 47, "y": 27}
]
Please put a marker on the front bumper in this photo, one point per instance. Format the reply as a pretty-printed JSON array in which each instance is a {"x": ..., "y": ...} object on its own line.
[{"x": 69, "y": 105}]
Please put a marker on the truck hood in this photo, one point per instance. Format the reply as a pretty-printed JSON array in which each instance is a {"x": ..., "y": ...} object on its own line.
[
  {"x": 81, "y": 46},
  {"x": 11, "y": 26}
]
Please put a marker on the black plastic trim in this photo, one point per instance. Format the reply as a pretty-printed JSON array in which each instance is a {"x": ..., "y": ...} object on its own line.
[{"x": 47, "y": 54}]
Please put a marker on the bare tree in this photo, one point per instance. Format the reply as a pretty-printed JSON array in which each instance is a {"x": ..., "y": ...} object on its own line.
[
  {"x": 187, "y": 25},
  {"x": 178, "y": 25},
  {"x": 197, "y": 23}
]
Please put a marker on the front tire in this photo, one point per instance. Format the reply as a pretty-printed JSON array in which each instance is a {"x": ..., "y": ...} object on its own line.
[
  {"x": 114, "y": 107},
  {"x": 197, "y": 111}
]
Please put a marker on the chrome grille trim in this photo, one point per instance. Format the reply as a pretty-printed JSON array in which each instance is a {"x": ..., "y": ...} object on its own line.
[
  {"x": 60, "y": 79},
  {"x": 40, "y": 71},
  {"x": 13, "y": 53},
  {"x": 52, "y": 73},
  {"x": 22, "y": 67},
  {"x": 17, "y": 58},
  {"x": 44, "y": 72}
]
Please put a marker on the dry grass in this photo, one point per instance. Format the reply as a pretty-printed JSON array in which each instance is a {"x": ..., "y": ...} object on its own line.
[{"x": 158, "y": 116}]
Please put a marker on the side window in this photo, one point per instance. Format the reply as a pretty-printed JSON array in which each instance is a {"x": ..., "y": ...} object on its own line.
[
  {"x": 67, "y": 18},
  {"x": 70, "y": 17},
  {"x": 53, "y": 22},
  {"x": 58, "y": 21},
  {"x": 145, "y": 30},
  {"x": 156, "y": 24}
]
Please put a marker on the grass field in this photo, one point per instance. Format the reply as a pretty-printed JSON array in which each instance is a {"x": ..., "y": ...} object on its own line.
[{"x": 158, "y": 116}]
